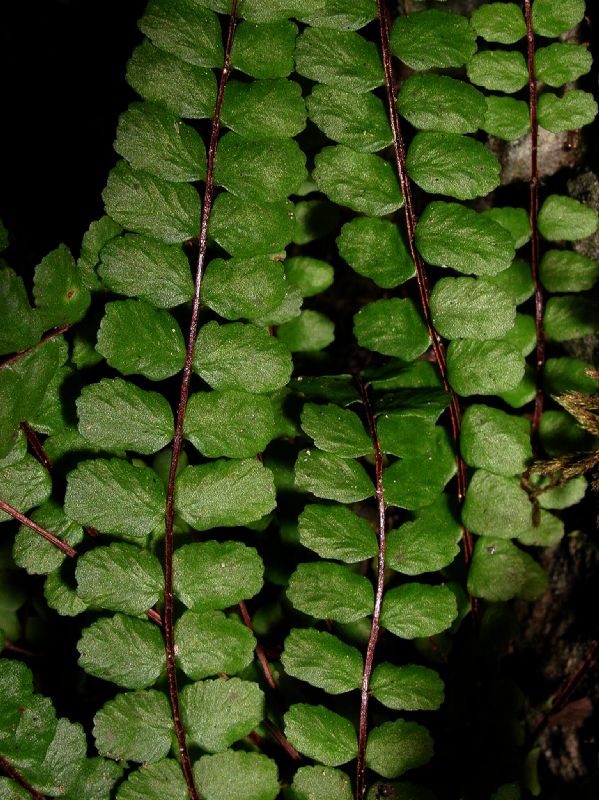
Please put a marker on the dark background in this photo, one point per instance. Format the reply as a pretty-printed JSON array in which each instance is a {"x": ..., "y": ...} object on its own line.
[{"x": 63, "y": 87}]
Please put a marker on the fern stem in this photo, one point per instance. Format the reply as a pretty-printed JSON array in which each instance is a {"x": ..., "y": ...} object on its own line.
[
  {"x": 534, "y": 212},
  {"x": 36, "y": 446},
  {"x": 380, "y": 586},
  {"x": 280, "y": 737},
  {"x": 154, "y": 616},
  {"x": 169, "y": 621},
  {"x": 13, "y": 774},
  {"x": 45, "y": 338},
  {"x": 421, "y": 274},
  {"x": 260, "y": 654},
  {"x": 65, "y": 548}
]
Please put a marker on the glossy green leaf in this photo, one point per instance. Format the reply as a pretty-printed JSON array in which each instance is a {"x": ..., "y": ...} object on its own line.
[
  {"x": 483, "y": 367},
  {"x": 450, "y": 164},
  {"x": 124, "y": 650},
  {"x": 210, "y": 643},
  {"x": 407, "y": 688},
  {"x": 506, "y": 118},
  {"x": 522, "y": 336},
  {"x": 426, "y": 544},
  {"x": 55, "y": 410},
  {"x": 96, "y": 779},
  {"x": 34, "y": 553},
  {"x": 115, "y": 414},
  {"x": 470, "y": 309},
  {"x": 58, "y": 289},
  {"x": 310, "y": 275},
  {"x": 264, "y": 50},
  {"x": 501, "y": 571},
  {"x": 144, "y": 203},
  {"x": 156, "y": 141},
  {"x": 261, "y": 11},
  {"x": 25, "y": 485},
  {"x": 416, "y": 610},
  {"x": 336, "y": 532},
  {"x": 524, "y": 392},
  {"x": 228, "y": 422},
  {"x": 415, "y": 481},
  {"x": 330, "y": 591},
  {"x": 573, "y": 110},
  {"x": 546, "y": 531},
  {"x": 496, "y": 506},
  {"x": 570, "y": 317},
  {"x": 341, "y": 14},
  {"x": 308, "y": 332},
  {"x": 12, "y": 438},
  {"x": 561, "y": 434},
  {"x": 406, "y": 432},
  {"x": 375, "y": 248},
  {"x": 433, "y": 38},
  {"x": 323, "y": 660},
  {"x": 247, "y": 228},
  {"x": 336, "y": 430},
  {"x": 451, "y": 235},
  {"x": 186, "y": 90},
  {"x": 264, "y": 170},
  {"x": 517, "y": 222},
  {"x": 21, "y": 326},
  {"x": 264, "y": 109},
  {"x": 115, "y": 496},
  {"x": 332, "y": 477},
  {"x": 563, "y": 217},
  {"x": 360, "y": 122},
  {"x": 217, "y": 713},
  {"x": 568, "y": 375},
  {"x": 396, "y": 747},
  {"x": 498, "y": 70},
  {"x": 440, "y": 103},
  {"x": 392, "y": 327},
  {"x": 120, "y": 577},
  {"x": 564, "y": 496},
  {"x": 314, "y": 783},
  {"x": 223, "y": 352},
  {"x": 362, "y": 181},
  {"x": 549, "y": 19},
  {"x": 289, "y": 310},
  {"x": 495, "y": 441},
  {"x": 567, "y": 271},
  {"x": 330, "y": 57},
  {"x": 38, "y": 373},
  {"x": 61, "y": 596},
  {"x": 515, "y": 281},
  {"x": 162, "y": 780},
  {"x": 321, "y": 734},
  {"x": 247, "y": 288},
  {"x": 237, "y": 776},
  {"x": 62, "y": 762},
  {"x": 200, "y": 569},
  {"x": 138, "y": 266},
  {"x": 562, "y": 62},
  {"x": 499, "y": 22},
  {"x": 135, "y": 726},
  {"x": 185, "y": 29}
]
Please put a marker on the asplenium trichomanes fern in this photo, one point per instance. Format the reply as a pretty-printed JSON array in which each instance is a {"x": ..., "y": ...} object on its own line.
[{"x": 161, "y": 388}]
